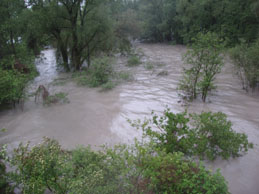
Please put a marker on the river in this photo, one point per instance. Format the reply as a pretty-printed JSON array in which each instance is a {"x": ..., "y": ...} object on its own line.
[{"x": 96, "y": 118}]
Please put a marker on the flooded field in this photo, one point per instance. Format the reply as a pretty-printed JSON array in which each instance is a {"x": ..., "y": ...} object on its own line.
[{"x": 96, "y": 118}]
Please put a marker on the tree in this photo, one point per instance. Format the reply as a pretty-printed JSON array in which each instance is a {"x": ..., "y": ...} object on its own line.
[
  {"x": 245, "y": 58},
  {"x": 158, "y": 19},
  {"x": 80, "y": 28},
  {"x": 231, "y": 20},
  {"x": 206, "y": 62}
]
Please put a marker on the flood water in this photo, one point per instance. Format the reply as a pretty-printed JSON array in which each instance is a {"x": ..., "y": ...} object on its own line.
[{"x": 96, "y": 118}]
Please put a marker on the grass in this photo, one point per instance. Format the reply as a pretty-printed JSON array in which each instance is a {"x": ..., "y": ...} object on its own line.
[
  {"x": 125, "y": 76},
  {"x": 160, "y": 64},
  {"x": 108, "y": 86},
  {"x": 60, "y": 81},
  {"x": 149, "y": 66},
  {"x": 60, "y": 97}
]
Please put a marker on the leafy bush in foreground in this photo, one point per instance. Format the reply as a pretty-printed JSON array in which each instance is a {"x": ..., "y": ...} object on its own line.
[
  {"x": 4, "y": 185},
  {"x": 206, "y": 135},
  {"x": 136, "y": 169}
]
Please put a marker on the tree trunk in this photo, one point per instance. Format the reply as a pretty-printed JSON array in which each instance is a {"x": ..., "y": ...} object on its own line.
[
  {"x": 88, "y": 57},
  {"x": 76, "y": 54},
  {"x": 64, "y": 55},
  {"x": 12, "y": 43}
]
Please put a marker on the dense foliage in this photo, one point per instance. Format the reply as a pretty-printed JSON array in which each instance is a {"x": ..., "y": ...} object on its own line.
[
  {"x": 16, "y": 66},
  {"x": 206, "y": 135},
  {"x": 137, "y": 169},
  {"x": 181, "y": 20}
]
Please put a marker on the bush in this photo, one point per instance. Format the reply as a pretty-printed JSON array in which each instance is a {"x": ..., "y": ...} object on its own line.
[
  {"x": 214, "y": 136},
  {"x": 206, "y": 135},
  {"x": 133, "y": 60},
  {"x": 11, "y": 86},
  {"x": 149, "y": 66},
  {"x": 60, "y": 97},
  {"x": 98, "y": 74},
  {"x": 125, "y": 76},
  {"x": 246, "y": 60},
  {"x": 101, "y": 74},
  {"x": 13, "y": 81},
  {"x": 206, "y": 62},
  {"x": 108, "y": 86},
  {"x": 4, "y": 184},
  {"x": 171, "y": 173},
  {"x": 136, "y": 169},
  {"x": 40, "y": 168}
]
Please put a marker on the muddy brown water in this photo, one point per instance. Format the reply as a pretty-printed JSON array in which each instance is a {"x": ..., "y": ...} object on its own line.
[{"x": 96, "y": 118}]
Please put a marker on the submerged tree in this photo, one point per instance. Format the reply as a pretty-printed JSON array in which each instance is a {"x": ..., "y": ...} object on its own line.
[
  {"x": 80, "y": 28},
  {"x": 246, "y": 59},
  {"x": 206, "y": 62}
]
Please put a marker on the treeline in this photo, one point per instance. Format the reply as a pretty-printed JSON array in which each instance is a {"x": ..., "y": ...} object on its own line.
[{"x": 181, "y": 20}]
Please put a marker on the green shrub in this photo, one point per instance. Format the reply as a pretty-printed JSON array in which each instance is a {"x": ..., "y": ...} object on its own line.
[
  {"x": 5, "y": 187},
  {"x": 108, "y": 86},
  {"x": 206, "y": 135},
  {"x": 125, "y": 76},
  {"x": 214, "y": 136},
  {"x": 60, "y": 97},
  {"x": 136, "y": 169},
  {"x": 4, "y": 184},
  {"x": 12, "y": 81},
  {"x": 171, "y": 173},
  {"x": 98, "y": 74},
  {"x": 246, "y": 60},
  {"x": 11, "y": 86},
  {"x": 101, "y": 74},
  {"x": 41, "y": 168},
  {"x": 206, "y": 62},
  {"x": 149, "y": 66},
  {"x": 133, "y": 60},
  {"x": 100, "y": 71}
]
